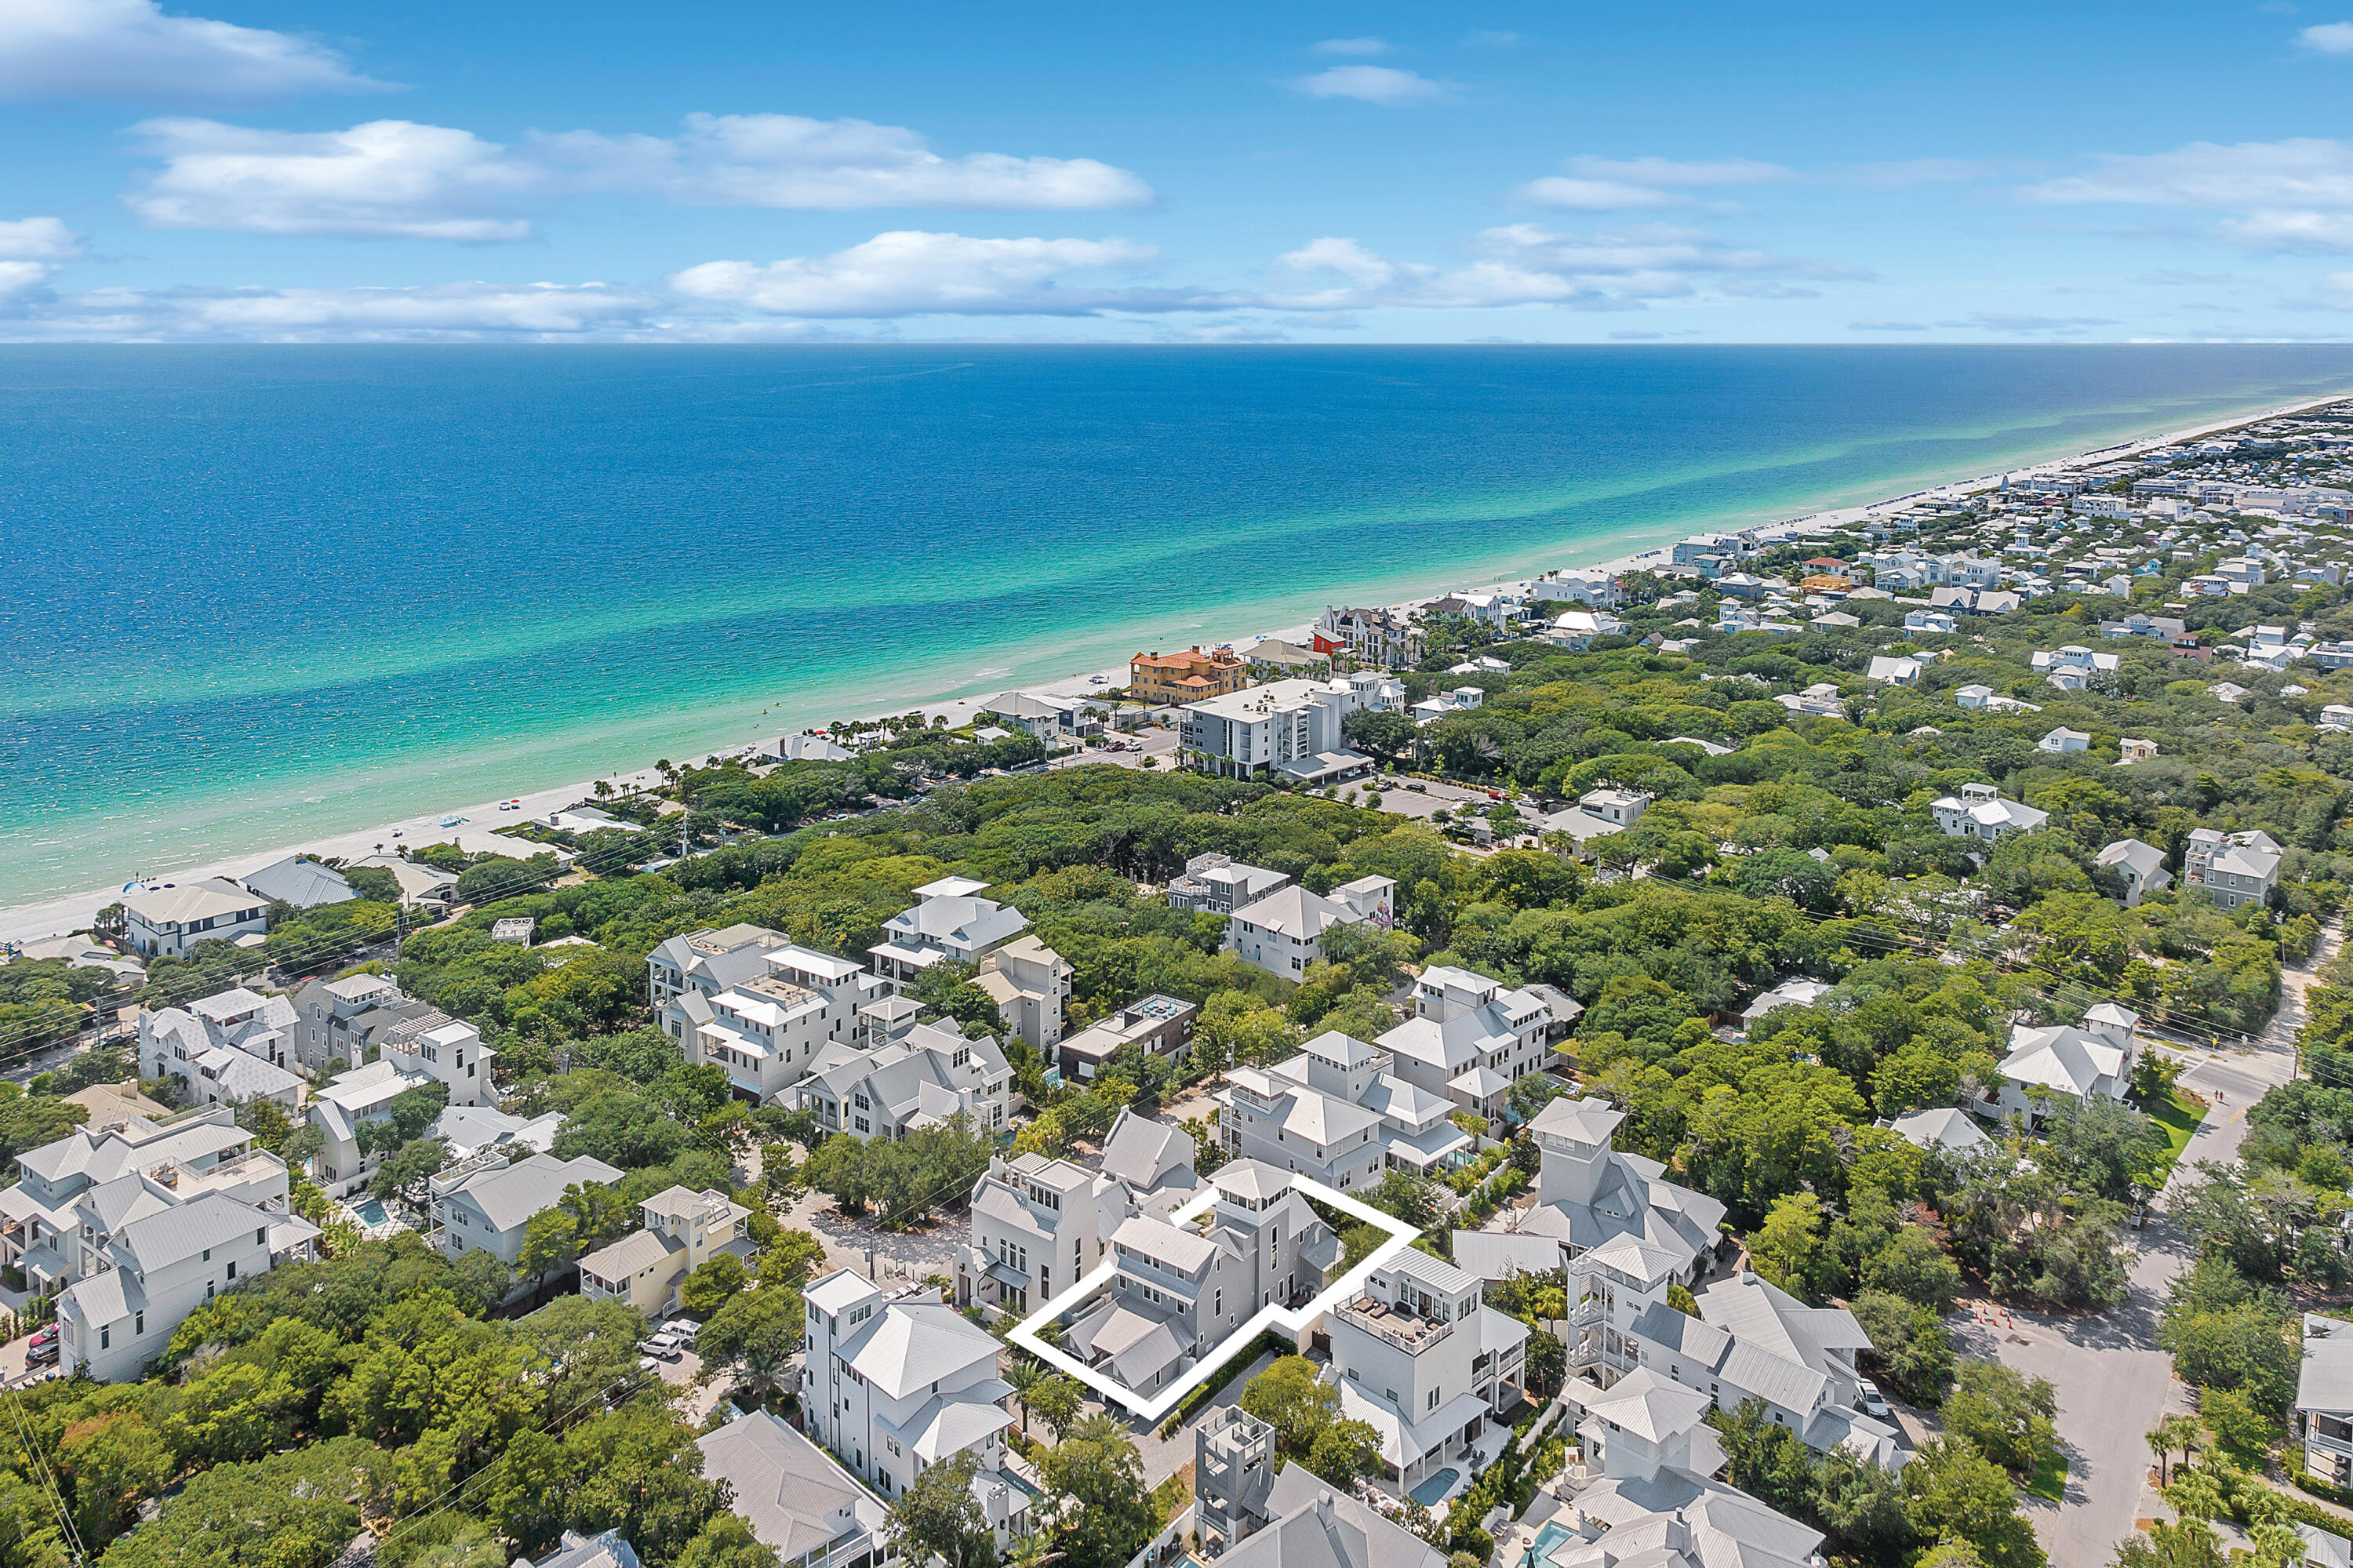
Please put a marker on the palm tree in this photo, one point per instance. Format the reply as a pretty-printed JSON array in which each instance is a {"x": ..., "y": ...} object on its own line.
[
  {"x": 1034, "y": 1551},
  {"x": 1024, "y": 1376},
  {"x": 2181, "y": 1431}
]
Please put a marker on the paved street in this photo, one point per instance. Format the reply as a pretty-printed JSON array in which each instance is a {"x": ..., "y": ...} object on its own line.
[{"x": 2113, "y": 1382}]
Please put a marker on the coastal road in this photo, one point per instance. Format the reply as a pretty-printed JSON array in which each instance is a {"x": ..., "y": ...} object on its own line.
[{"x": 2113, "y": 1381}]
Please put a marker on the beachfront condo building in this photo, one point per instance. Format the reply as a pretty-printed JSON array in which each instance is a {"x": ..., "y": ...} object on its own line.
[
  {"x": 1186, "y": 677},
  {"x": 1288, "y": 727}
]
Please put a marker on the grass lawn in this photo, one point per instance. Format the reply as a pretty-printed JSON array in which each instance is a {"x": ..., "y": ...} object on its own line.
[
  {"x": 2050, "y": 1482},
  {"x": 2178, "y": 1119}
]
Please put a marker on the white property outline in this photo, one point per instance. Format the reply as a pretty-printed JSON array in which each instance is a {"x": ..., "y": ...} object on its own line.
[{"x": 1401, "y": 1237}]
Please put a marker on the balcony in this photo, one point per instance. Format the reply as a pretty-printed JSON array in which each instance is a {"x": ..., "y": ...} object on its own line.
[
  {"x": 1405, "y": 1330},
  {"x": 2326, "y": 1444}
]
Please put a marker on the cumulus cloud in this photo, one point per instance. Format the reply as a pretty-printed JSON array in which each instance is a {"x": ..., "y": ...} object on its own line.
[
  {"x": 915, "y": 273},
  {"x": 396, "y": 179},
  {"x": 1525, "y": 264},
  {"x": 38, "y": 240},
  {"x": 2295, "y": 195},
  {"x": 129, "y": 49},
  {"x": 788, "y": 160},
  {"x": 388, "y": 179},
  {"x": 2329, "y": 39},
  {"x": 1374, "y": 84},
  {"x": 1352, "y": 47},
  {"x": 30, "y": 248},
  {"x": 1616, "y": 184}
]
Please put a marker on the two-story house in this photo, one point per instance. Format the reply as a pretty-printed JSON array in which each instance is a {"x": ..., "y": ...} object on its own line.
[
  {"x": 75, "y": 1194},
  {"x": 2236, "y": 869},
  {"x": 1421, "y": 1358},
  {"x": 152, "y": 1271},
  {"x": 345, "y": 1020},
  {"x": 1218, "y": 884},
  {"x": 1471, "y": 1038},
  {"x": 2047, "y": 1065},
  {"x": 897, "y": 1383},
  {"x": 1039, "y": 1225},
  {"x": 766, "y": 1013},
  {"x": 1652, "y": 1496},
  {"x": 1162, "y": 1025},
  {"x": 231, "y": 1048},
  {"x": 680, "y": 1231},
  {"x": 1337, "y": 1113},
  {"x": 918, "y": 1074},
  {"x": 951, "y": 925},
  {"x": 1284, "y": 932},
  {"x": 415, "y": 1052},
  {"x": 1981, "y": 812},
  {"x": 171, "y": 919},
  {"x": 483, "y": 1203}
]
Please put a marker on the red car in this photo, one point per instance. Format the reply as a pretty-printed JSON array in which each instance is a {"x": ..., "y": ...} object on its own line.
[
  {"x": 43, "y": 1336},
  {"x": 1494, "y": 794}
]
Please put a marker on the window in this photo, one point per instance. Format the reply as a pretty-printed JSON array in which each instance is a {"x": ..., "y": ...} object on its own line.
[
  {"x": 232, "y": 1268},
  {"x": 1433, "y": 1399}
]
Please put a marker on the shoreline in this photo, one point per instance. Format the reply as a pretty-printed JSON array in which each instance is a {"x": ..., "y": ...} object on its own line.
[{"x": 68, "y": 913}]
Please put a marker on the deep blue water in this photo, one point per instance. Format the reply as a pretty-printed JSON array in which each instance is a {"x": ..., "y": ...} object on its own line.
[{"x": 254, "y": 595}]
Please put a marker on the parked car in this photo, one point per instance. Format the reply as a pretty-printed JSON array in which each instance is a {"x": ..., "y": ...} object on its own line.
[
  {"x": 681, "y": 1330},
  {"x": 1419, "y": 788},
  {"x": 659, "y": 1347},
  {"x": 2139, "y": 1216},
  {"x": 45, "y": 1335},
  {"x": 1868, "y": 1396}
]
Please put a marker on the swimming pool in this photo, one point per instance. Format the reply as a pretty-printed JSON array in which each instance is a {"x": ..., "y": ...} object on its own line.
[
  {"x": 1548, "y": 1539},
  {"x": 370, "y": 1211},
  {"x": 1432, "y": 1491}
]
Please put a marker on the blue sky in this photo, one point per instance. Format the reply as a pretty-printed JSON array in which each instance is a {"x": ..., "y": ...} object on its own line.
[{"x": 266, "y": 169}]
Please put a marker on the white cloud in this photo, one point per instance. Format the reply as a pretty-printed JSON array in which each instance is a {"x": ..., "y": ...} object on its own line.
[
  {"x": 129, "y": 48},
  {"x": 787, "y": 161},
  {"x": 1622, "y": 184},
  {"x": 1489, "y": 38},
  {"x": 394, "y": 179},
  {"x": 1525, "y": 264},
  {"x": 30, "y": 248},
  {"x": 1672, "y": 172},
  {"x": 914, "y": 273},
  {"x": 1353, "y": 47},
  {"x": 471, "y": 311},
  {"x": 1887, "y": 327},
  {"x": 2295, "y": 195},
  {"x": 1598, "y": 195},
  {"x": 2329, "y": 39},
  {"x": 38, "y": 240},
  {"x": 388, "y": 179},
  {"x": 1374, "y": 84}
]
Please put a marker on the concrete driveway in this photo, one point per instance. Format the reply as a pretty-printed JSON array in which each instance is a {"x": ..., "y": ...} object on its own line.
[{"x": 2113, "y": 1382}]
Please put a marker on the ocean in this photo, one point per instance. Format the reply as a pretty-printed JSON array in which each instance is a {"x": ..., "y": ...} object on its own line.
[{"x": 255, "y": 595}]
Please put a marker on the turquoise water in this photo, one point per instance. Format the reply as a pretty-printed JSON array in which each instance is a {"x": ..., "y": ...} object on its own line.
[
  {"x": 1432, "y": 1491},
  {"x": 259, "y": 595},
  {"x": 370, "y": 1211}
]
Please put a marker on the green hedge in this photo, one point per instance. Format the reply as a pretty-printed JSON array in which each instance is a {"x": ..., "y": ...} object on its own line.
[{"x": 1281, "y": 1345}]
